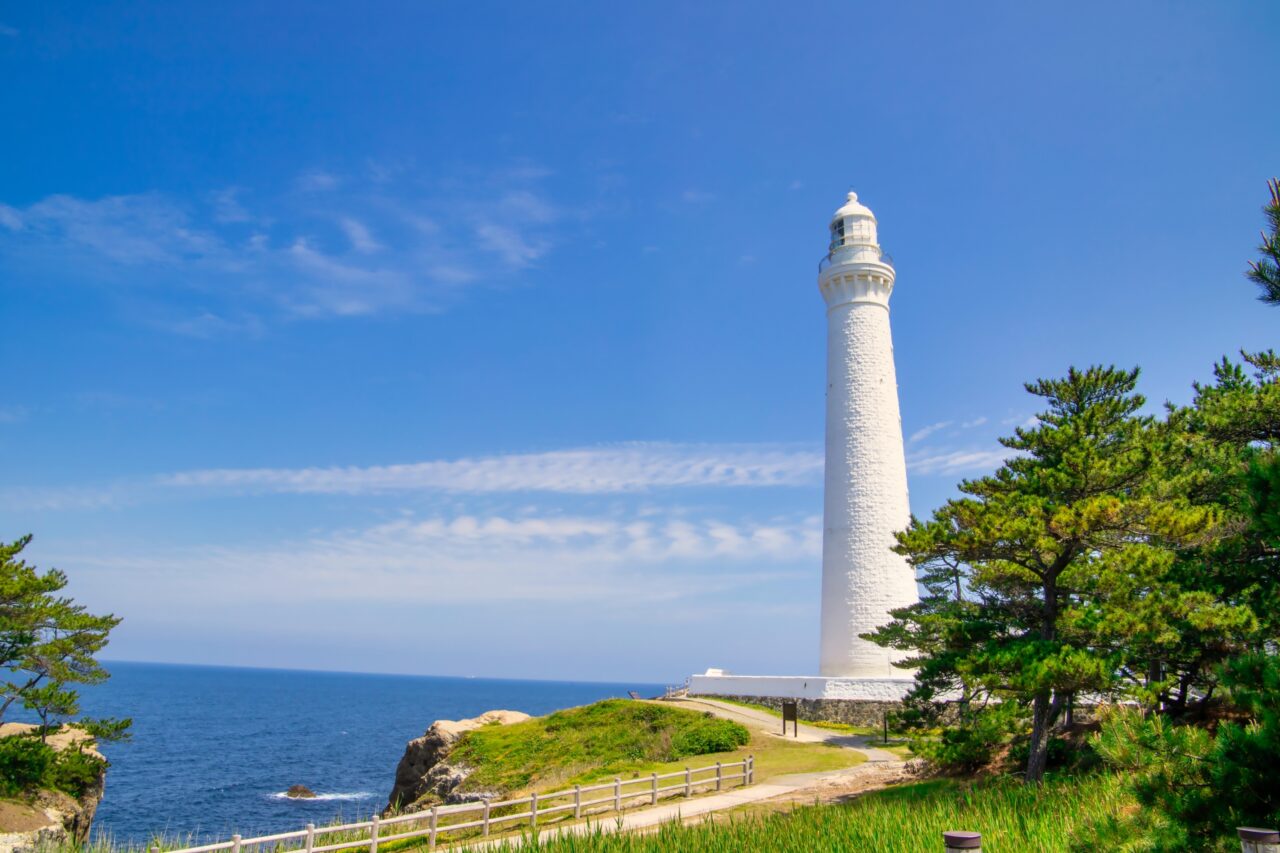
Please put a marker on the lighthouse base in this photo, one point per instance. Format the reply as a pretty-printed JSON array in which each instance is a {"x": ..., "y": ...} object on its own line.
[{"x": 854, "y": 701}]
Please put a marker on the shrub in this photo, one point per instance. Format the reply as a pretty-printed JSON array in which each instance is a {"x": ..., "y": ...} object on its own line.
[
  {"x": 711, "y": 735},
  {"x": 972, "y": 743},
  {"x": 24, "y": 763},
  {"x": 74, "y": 772}
]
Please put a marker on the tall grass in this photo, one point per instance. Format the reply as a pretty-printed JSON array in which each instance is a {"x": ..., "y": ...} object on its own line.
[{"x": 1011, "y": 817}]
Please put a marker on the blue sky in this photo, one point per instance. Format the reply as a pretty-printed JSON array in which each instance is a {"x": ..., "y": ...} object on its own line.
[{"x": 485, "y": 338}]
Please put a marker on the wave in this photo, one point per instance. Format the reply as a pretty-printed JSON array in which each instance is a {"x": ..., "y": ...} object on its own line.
[{"x": 350, "y": 795}]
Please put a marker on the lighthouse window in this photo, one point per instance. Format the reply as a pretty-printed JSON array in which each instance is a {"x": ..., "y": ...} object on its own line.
[{"x": 837, "y": 232}]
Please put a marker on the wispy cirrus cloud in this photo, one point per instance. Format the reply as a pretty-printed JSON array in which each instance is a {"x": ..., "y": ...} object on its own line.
[
  {"x": 925, "y": 432},
  {"x": 598, "y": 470},
  {"x": 940, "y": 461},
  {"x": 615, "y": 469},
  {"x": 232, "y": 260}
]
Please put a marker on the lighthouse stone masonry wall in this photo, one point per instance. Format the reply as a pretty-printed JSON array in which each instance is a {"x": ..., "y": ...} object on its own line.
[{"x": 866, "y": 486}]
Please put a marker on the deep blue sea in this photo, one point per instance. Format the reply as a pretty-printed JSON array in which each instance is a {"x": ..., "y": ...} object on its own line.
[{"x": 214, "y": 747}]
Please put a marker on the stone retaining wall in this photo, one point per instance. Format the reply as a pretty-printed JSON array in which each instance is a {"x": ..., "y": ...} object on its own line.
[{"x": 852, "y": 712}]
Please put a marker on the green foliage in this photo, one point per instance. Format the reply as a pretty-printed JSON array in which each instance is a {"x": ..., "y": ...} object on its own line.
[
  {"x": 707, "y": 737},
  {"x": 24, "y": 764},
  {"x": 595, "y": 741},
  {"x": 1042, "y": 577},
  {"x": 1266, "y": 271},
  {"x": 1196, "y": 786},
  {"x": 47, "y": 641},
  {"x": 27, "y": 764},
  {"x": 973, "y": 742},
  {"x": 75, "y": 772}
]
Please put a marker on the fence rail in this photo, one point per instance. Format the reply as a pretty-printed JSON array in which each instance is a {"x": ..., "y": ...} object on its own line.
[{"x": 487, "y": 816}]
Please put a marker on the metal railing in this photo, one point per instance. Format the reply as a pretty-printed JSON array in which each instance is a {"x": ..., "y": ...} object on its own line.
[
  {"x": 885, "y": 258},
  {"x": 481, "y": 818}
]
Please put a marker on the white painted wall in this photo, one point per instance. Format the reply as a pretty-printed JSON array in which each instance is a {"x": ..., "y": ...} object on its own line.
[
  {"x": 866, "y": 474},
  {"x": 803, "y": 687}
]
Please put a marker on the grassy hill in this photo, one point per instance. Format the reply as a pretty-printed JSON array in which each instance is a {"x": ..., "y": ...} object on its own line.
[{"x": 610, "y": 738}]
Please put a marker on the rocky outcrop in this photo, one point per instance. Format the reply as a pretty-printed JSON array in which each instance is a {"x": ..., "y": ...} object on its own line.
[
  {"x": 300, "y": 792},
  {"x": 424, "y": 773},
  {"x": 51, "y": 818}
]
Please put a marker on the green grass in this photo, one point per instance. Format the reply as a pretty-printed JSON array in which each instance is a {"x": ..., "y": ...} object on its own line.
[
  {"x": 1012, "y": 818},
  {"x": 616, "y": 737}
]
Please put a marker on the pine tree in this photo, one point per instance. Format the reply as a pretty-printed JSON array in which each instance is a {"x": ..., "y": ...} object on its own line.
[
  {"x": 1266, "y": 271},
  {"x": 1045, "y": 551}
]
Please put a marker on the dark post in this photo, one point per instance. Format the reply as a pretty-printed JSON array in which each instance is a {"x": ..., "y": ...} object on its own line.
[
  {"x": 1254, "y": 840},
  {"x": 789, "y": 715},
  {"x": 885, "y": 717},
  {"x": 966, "y": 841}
]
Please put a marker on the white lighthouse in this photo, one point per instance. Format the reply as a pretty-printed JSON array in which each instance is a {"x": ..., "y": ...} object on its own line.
[{"x": 865, "y": 496}]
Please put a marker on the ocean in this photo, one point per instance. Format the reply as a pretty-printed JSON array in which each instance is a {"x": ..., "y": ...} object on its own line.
[{"x": 214, "y": 748}]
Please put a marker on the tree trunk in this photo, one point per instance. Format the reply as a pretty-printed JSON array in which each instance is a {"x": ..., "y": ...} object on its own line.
[{"x": 1044, "y": 711}]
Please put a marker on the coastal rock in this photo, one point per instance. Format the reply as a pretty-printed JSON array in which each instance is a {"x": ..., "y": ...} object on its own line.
[
  {"x": 300, "y": 792},
  {"x": 51, "y": 818},
  {"x": 423, "y": 770}
]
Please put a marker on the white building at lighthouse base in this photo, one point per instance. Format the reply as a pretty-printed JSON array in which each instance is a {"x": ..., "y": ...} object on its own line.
[{"x": 716, "y": 682}]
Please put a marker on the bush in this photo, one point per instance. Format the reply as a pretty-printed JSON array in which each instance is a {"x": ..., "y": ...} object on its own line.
[
  {"x": 972, "y": 743},
  {"x": 74, "y": 772},
  {"x": 24, "y": 764},
  {"x": 1062, "y": 754},
  {"x": 710, "y": 736}
]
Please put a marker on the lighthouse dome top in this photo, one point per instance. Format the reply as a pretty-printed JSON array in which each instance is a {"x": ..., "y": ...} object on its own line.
[
  {"x": 853, "y": 208},
  {"x": 853, "y": 225}
]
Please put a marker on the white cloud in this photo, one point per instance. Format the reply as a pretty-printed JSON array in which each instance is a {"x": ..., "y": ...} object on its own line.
[
  {"x": 318, "y": 181},
  {"x": 976, "y": 422},
  {"x": 360, "y": 236},
  {"x": 622, "y": 468},
  {"x": 930, "y": 461},
  {"x": 359, "y": 248},
  {"x": 925, "y": 432},
  {"x": 468, "y": 558}
]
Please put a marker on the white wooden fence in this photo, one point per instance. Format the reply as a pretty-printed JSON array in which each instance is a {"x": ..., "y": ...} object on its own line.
[{"x": 485, "y": 816}]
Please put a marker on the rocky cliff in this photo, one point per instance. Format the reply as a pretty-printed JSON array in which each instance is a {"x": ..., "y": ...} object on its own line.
[
  {"x": 425, "y": 775},
  {"x": 50, "y": 817}
]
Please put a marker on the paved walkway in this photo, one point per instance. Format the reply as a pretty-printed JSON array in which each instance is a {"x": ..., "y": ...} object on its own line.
[
  {"x": 771, "y": 724},
  {"x": 677, "y": 810}
]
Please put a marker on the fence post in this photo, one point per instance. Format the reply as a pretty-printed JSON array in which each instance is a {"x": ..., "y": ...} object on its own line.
[
  {"x": 1255, "y": 840},
  {"x": 235, "y": 843},
  {"x": 750, "y": 770},
  {"x": 435, "y": 820},
  {"x": 965, "y": 841},
  {"x": 719, "y": 775},
  {"x": 533, "y": 810},
  {"x": 653, "y": 798},
  {"x": 155, "y": 850},
  {"x": 617, "y": 794},
  {"x": 486, "y": 815},
  {"x": 373, "y": 834},
  {"x": 688, "y": 782},
  {"x": 311, "y": 837},
  {"x": 577, "y": 801}
]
